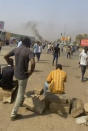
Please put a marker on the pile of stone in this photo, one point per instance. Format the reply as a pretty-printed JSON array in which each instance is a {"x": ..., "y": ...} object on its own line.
[
  {"x": 5, "y": 95},
  {"x": 57, "y": 103},
  {"x": 35, "y": 102},
  {"x": 54, "y": 103},
  {"x": 76, "y": 107},
  {"x": 8, "y": 96}
]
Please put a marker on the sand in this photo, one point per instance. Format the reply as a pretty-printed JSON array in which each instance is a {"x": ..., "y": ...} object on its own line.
[{"x": 47, "y": 122}]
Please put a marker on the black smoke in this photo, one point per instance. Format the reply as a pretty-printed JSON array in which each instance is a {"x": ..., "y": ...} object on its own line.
[{"x": 32, "y": 26}]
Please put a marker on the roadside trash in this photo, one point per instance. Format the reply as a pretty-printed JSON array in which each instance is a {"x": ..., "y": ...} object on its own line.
[{"x": 82, "y": 120}]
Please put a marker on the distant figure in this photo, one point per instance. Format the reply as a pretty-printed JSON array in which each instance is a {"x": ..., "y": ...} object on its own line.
[
  {"x": 68, "y": 50},
  {"x": 7, "y": 42},
  {"x": 0, "y": 45},
  {"x": 35, "y": 48},
  {"x": 61, "y": 47},
  {"x": 39, "y": 51},
  {"x": 44, "y": 45},
  {"x": 49, "y": 48},
  {"x": 56, "y": 52},
  {"x": 19, "y": 43},
  {"x": 83, "y": 62},
  {"x": 55, "y": 81},
  {"x": 72, "y": 50}
]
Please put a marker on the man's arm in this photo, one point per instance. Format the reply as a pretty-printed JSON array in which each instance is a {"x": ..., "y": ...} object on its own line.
[
  {"x": 65, "y": 78},
  {"x": 80, "y": 58},
  {"x": 32, "y": 66},
  {"x": 49, "y": 79},
  {"x": 87, "y": 60},
  {"x": 7, "y": 57}
]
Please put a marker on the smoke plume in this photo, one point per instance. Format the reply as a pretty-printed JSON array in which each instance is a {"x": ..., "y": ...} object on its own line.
[{"x": 32, "y": 27}]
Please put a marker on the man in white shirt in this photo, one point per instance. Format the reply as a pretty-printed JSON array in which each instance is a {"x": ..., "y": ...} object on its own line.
[
  {"x": 39, "y": 50},
  {"x": 19, "y": 43},
  {"x": 83, "y": 62},
  {"x": 35, "y": 47},
  {"x": 49, "y": 47}
]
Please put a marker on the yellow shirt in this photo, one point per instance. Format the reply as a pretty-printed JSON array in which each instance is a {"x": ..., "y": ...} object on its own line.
[{"x": 56, "y": 79}]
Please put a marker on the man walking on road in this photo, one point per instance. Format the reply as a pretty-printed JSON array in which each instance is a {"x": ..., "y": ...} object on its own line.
[
  {"x": 83, "y": 62},
  {"x": 56, "y": 52},
  {"x": 22, "y": 57}
]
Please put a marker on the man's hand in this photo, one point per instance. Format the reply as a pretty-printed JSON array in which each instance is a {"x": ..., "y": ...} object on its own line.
[
  {"x": 7, "y": 57},
  {"x": 29, "y": 73},
  {"x": 32, "y": 67}
]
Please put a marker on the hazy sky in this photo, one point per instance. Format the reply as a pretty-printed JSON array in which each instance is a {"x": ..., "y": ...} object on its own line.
[{"x": 52, "y": 16}]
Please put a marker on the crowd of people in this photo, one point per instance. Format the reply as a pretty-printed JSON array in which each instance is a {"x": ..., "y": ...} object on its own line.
[{"x": 23, "y": 55}]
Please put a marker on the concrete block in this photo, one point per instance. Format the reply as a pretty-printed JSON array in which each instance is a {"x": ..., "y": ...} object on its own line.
[
  {"x": 86, "y": 107},
  {"x": 77, "y": 107},
  {"x": 4, "y": 93},
  {"x": 35, "y": 104}
]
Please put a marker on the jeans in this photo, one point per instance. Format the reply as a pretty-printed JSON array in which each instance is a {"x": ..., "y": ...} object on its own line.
[
  {"x": 68, "y": 55},
  {"x": 83, "y": 70},
  {"x": 20, "y": 96},
  {"x": 38, "y": 56},
  {"x": 46, "y": 87},
  {"x": 55, "y": 57}
]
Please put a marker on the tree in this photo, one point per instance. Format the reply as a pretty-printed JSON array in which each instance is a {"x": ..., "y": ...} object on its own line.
[{"x": 79, "y": 37}]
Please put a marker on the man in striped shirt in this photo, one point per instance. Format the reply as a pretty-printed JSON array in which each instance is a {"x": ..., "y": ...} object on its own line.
[{"x": 55, "y": 81}]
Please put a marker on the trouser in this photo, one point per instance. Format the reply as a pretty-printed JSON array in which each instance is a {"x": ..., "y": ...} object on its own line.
[
  {"x": 34, "y": 54},
  {"x": 83, "y": 70},
  {"x": 68, "y": 55},
  {"x": 0, "y": 48},
  {"x": 46, "y": 87},
  {"x": 55, "y": 57},
  {"x": 38, "y": 56},
  {"x": 20, "y": 96},
  {"x": 48, "y": 51},
  {"x": 7, "y": 85}
]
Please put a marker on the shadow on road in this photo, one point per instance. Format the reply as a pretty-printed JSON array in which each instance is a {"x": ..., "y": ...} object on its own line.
[
  {"x": 43, "y": 60},
  {"x": 66, "y": 66},
  {"x": 38, "y": 71}
]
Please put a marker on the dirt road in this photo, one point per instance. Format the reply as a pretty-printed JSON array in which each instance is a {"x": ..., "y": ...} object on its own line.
[{"x": 46, "y": 122}]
